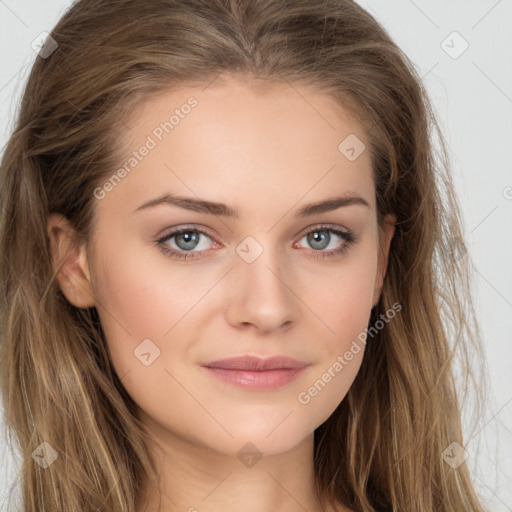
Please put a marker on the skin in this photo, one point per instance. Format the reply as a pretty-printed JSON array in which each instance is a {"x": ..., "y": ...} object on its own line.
[{"x": 267, "y": 155}]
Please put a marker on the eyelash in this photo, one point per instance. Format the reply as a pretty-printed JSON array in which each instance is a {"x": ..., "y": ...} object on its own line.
[{"x": 348, "y": 236}]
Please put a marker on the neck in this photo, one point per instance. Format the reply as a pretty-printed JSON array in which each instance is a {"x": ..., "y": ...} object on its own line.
[{"x": 194, "y": 478}]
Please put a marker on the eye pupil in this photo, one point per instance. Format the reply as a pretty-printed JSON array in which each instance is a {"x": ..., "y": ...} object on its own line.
[
  {"x": 191, "y": 238},
  {"x": 316, "y": 236}
]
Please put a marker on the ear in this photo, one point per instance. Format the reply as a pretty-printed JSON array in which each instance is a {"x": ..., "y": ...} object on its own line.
[
  {"x": 69, "y": 260},
  {"x": 385, "y": 235}
]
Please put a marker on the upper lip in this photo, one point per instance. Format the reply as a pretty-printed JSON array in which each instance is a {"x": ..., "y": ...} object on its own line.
[{"x": 257, "y": 363}]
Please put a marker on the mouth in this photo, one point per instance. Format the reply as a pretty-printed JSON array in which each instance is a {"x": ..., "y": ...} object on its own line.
[{"x": 257, "y": 373}]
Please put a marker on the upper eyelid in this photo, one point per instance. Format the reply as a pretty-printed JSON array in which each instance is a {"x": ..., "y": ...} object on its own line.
[
  {"x": 203, "y": 230},
  {"x": 320, "y": 226},
  {"x": 186, "y": 227},
  {"x": 176, "y": 231}
]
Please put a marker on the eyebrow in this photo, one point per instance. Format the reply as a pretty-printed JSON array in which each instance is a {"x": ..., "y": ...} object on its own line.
[{"x": 213, "y": 208}]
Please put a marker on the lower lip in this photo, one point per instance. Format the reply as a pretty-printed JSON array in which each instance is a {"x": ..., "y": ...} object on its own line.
[{"x": 269, "y": 379}]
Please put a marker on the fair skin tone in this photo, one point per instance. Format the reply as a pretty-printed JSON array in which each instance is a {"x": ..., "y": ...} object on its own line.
[{"x": 267, "y": 156}]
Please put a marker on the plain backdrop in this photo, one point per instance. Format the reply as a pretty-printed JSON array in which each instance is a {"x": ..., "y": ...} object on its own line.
[{"x": 463, "y": 51}]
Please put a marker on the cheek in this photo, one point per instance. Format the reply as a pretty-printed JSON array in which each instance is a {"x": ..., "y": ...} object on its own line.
[
  {"x": 345, "y": 308},
  {"x": 138, "y": 300},
  {"x": 143, "y": 297},
  {"x": 344, "y": 295}
]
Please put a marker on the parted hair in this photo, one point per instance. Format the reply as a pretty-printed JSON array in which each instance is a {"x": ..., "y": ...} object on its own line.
[{"x": 381, "y": 449}]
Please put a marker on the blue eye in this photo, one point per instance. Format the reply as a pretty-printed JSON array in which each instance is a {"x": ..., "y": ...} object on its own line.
[
  {"x": 187, "y": 239},
  {"x": 320, "y": 237}
]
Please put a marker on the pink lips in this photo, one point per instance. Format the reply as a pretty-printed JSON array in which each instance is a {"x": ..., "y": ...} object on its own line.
[{"x": 257, "y": 373}]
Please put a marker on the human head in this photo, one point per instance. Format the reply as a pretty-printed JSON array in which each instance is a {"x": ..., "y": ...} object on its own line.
[{"x": 66, "y": 145}]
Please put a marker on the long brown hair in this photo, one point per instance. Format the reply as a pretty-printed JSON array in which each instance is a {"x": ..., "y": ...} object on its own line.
[{"x": 382, "y": 448}]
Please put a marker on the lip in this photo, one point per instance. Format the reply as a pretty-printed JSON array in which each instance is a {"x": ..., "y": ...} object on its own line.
[
  {"x": 254, "y": 363},
  {"x": 252, "y": 372}
]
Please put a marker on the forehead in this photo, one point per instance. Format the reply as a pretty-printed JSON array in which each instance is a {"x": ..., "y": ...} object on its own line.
[{"x": 243, "y": 141}]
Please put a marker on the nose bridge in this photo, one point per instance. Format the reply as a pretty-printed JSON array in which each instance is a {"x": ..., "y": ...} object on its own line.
[
  {"x": 261, "y": 264},
  {"x": 262, "y": 294}
]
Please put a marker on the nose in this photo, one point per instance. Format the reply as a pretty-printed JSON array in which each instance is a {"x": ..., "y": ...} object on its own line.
[{"x": 261, "y": 295}]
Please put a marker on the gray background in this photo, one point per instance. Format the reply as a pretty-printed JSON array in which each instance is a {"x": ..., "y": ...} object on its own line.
[{"x": 472, "y": 94}]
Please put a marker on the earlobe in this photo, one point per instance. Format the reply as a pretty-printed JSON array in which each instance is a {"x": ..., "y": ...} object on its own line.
[
  {"x": 69, "y": 260},
  {"x": 387, "y": 233}
]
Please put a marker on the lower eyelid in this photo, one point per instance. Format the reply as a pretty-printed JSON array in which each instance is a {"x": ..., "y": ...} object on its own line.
[{"x": 347, "y": 238}]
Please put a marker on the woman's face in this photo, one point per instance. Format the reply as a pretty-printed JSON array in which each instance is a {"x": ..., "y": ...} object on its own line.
[{"x": 270, "y": 280}]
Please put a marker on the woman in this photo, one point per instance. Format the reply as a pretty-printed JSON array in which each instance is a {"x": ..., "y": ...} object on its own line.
[{"x": 232, "y": 269}]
